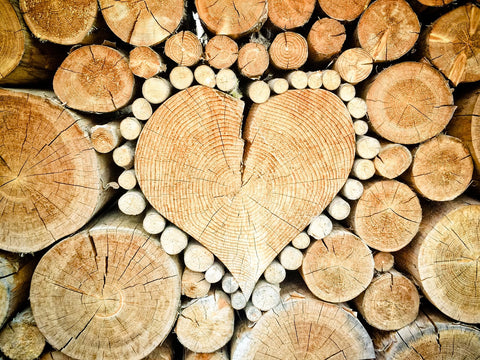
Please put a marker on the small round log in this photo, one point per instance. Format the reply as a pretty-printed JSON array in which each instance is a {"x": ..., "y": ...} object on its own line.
[
  {"x": 153, "y": 222},
  {"x": 142, "y": 109},
  {"x": 127, "y": 179},
  {"x": 288, "y": 51},
  {"x": 204, "y": 75},
  {"x": 384, "y": 261},
  {"x": 221, "y": 52},
  {"x": 156, "y": 90},
  {"x": 194, "y": 284},
  {"x": 253, "y": 60},
  {"x": 146, "y": 62},
  {"x": 105, "y": 138},
  {"x": 174, "y": 240},
  {"x": 392, "y": 160},
  {"x": 184, "y": 48},
  {"x": 354, "y": 65},
  {"x": 325, "y": 39}
]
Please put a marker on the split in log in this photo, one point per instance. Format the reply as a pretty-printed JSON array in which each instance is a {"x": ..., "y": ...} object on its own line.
[
  {"x": 21, "y": 339},
  {"x": 387, "y": 216},
  {"x": 181, "y": 77},
  {"x": 278, "y": 85},
  {"x": 302, "y": 326},
  {"x": 127, "y": 179},
  {"x": 288, "y": 51},
  {"x": 156, "y": 90},
  {"x": 154, "y": 223},
  {"x": 221, "y": 354},
  {"x": 221, "y": 52},
  {"x": 354, "y": 65},
  {"x": 132, "y": 202},
  {"x": 343, "y": 9},
  {"x": 204, "y": 75},
  {"x": 331, "y": 80},
  {"x": 52, "y": 182},
  {"x": 130, "y": 128},
  {"x": 409, "y": 103},
  {"x": 106, "y": 138},
  {"x": 297, "y": 79},
  {"x": 184, "y": 48},
  {"x": 442, "y": 168},
  {"x": 315, "y": 79},
  {"x": 325, "y": 39},
  {"x": 363, "y": 169},
  {"x": 94, "y": 78},
  {"x": 265, "y": 296},
  {"x": 275, "y": 273},
  {"x": 443, "y": 258},
  {"x": 388, "y": 29},
  {"x": 146, "y": 62},
  {"x": 142, "y": 23},
  {"x": 174, "y": 240},
  {"x": 253, "y": 60},
  {"x": 320, "y": 226},
  {"x": 352, "y": 190},
  {"x": 197, "y": 257},
  {"x": 224, "y": 17},
  {"x": 290, "y": 14},
  {"x": 194, "y": 284},
  {"x": 367, "y": 147},
  {"x": 142, "y": 109},
  {"x": 390, "y": 302},
  {"x": 452, "y": 44},
  {"x": 87, "y": 289},
  {"x": 384, "y": 261},
  {"x": 206, "y": 325},
  {"x": 392, "y": 160},
  {"x": 339, "y": 267}
]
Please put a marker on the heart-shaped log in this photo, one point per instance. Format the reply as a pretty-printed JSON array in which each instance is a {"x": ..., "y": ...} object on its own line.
[{"x": 245, "y": 199}]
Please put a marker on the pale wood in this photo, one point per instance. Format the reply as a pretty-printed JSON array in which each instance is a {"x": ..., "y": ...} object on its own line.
[
  {"x": 343, "y": 9},
  {"x": 357, "y": 107},
  {"x": 227, "y": 80},
  {"x": 215, "y": 273},
  {"x": 301, "y": 326},
  {"x": 130, "y": 128},
  {"x": 127, "y": 179},
  {"x": 142, "y": 109},
  {"x": 253, "y": 60},
  {"x": 87, "y": 289},
  {"x": 265, "y": 296},
  {"x": 275, "y": 273},
  {"x": 455, "y": 50},
  {"x": 156, "y": 90},
  {"x": 278, "y": 85},
  {"x": 339, "y": 267},
  {"x": 390, "y": 302},
  {"x": 301, "y": 241},
  {"x": 107, "y": 137},
  {"x": 290, "y": 14},
  {"x": 352, "y": 190},
  {"x": 435, "y": 2},
  {"x": 367, "y": 147},
  {"x": 238, "y": 300},
  {"x": 430, "y": 336},
  {"x": 387, "y": 216},
  {"x": 291, "y": 258},
  {"x": 174, "y": 240},
  {"x": 204, "y": 75},
  {"x": 221, "y": 52},
  {"x": 146, "y": 62},
  {"x": 153, "y": 222},
  {"x": 363, "y": 169},
  {"x": 181, "y": 77},
  {"x": 354, "y": 65},
  {"x": 206, "y": 324},
  {"x": 52, "y": 181},
  {"x": 55, "y": 355},
  {"x": 384, "y": 261},
  {"x": 124, "y": 155},
  {"x": 325, "y": 39},
  {"x": 94, "y": 78},
  {"x": 442, "y": 258},
  {"x": 331, "y": 80},
  {"x": 162, "y": 352},
  {"x": 288, "y": 51},
  {"x": 133, "y": 202},
  {"x": 409, "y": 103},
  {"x": 258, "y": 91},
  {"x": 297, "y": 79},
  {"x": 392, "y": 160},
  {"x": 221, "y": 354},
  {"x": 320, "y": 226},
  {"x": 184, "y": 48},
  {"x": 142, "y": 23},
  {"x": 346, "y": 92},
  {"x": 252, "y": 312},
  {"x": 21, "y": 339},
  {"x": 388, "y": 29},
  {"x": 338, "y": 209},
  {"x": 229, "y": 284},
  {"x": 194, "y": 284},
  {"x": 203, "y": 206},
  {"x": 224, "y": 17},
  {"x": 315, "y": 79},
  {"x": 360, "y": 127},
  {"x": 442, "y": 168},
  {"x": 197, "y": 257}
]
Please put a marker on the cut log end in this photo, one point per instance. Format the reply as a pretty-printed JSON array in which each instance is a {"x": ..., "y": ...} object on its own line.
[
  {"x": 343, "y": 9},
  {"x": 354, "y": 65},
  {"x": 253, "y": 60},
  {"x": 392, "y": 160},
  {"x": 194, "y": 284},
  {"x": 288, "y": 51},
  {"x": 221, "y": 52},
  {"x": 146, "y": 62},
  {"x": 184, "y": 48},
  {"x": 384, "y": 261},
  {"x": 325, "y": 39},
  {"x": 105, "y": 138},
  {"x": 290, "y": 14}
]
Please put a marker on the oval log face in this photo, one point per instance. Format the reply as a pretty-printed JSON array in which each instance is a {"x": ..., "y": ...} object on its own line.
[{"x": 245, "y": 198}]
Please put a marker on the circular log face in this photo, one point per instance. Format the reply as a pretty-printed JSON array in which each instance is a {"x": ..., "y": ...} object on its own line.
[
  {"x": 110, "y": 289},
  {"x": 50, "y": 181},
  {"x": 12, "y": 39},
  {"x": 245, "y": 199}
]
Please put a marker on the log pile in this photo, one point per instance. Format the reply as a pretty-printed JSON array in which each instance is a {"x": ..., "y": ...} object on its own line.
[{"x": 239, "y": 179}]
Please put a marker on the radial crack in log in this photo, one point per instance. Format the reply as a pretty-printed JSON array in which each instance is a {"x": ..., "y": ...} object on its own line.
[{"x": 245, "y": 202}]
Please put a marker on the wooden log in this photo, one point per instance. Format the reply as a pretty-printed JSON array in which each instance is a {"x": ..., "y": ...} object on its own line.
[
  {"x": 133, "y": 202},
  {"x": 266, "y": 295},
  {"x": 357, "y": 107},
  {"x": 227, "y": 80},
  {"x": 455, "y": 50},
  {"x": 197, "y": 257},
  {"x": 354, "y": 65},
  {"x": 325, "y": 39},
  {"x": 338, "y": 209},
  {"x": 215, "y": 273},
  {"x": 290, "y": 14},
  {"x": 194, "y": 284},
  {"x": 339, "y": 267},
  {"x": 156, "y": 90},
  {"x": 390, "y": 302},
  {"x": 326, "y": 330},
  {"x": 142, "y": 109},
  {"x": 331, "y": 80},
  {"x": 21, "y": 338},
  {"x": 363, "y": 169},
  {"x": 174, "y": 240},
  {"x": 297, "y": 79},
  {"x": 127, "y": 179},
  {"x": 181, "y": 77},
  {"x": 258, "y": 91},
  {"x": 352, "y": 190},
  {"x": 367, "y": 147},
  {"x": 301, "y": 241},
  {"x": 360, "y": 127},
  {"x": 94, "y": 78},
  {"x": 130, "y": 128},
  {"x": 288, "y": 51},
  {"x": 124, "y": 155},
  {"x": 442, "y": 168},
  {"x": 387, "y": 216},
  {"x": 315, "y": 79},
  {"x": 442, "y": 258},
  {"x": 275, "y": 273},
  {"x": 346, "y": 92},
  {"x": 430, "y": 336},
  {"x": 238, "y": 300},
  {"x": 388, "y": 29},
  {"x": 291, "y": 258},
  {"x": 52, "y": 182},
  {"x": 253, "y": 60},
  {"x": 409, "y": 103},
  {"x": 55, "y": 355},
  {"x": 65, "y": 22},
  {"x": 206, "y": 324},
  {"x": 153, "y": 222},
  {"x": 320, "y": 226},
  {"x": 229, "y": 284},
  {"x": 146, "y": 62},
  {"x": 252, "y": 312},
  {"x": 221, "y": 52},
  {"x": 221, "y": 354},
  {"x": 162, "y": 352},
  {"x": 233, "y": 19},
  {"x": 435, "y": 2},
  {"x": 384, "y": 261},
  {"x": 278, "y": 85},
  {"x": 392, "y": 160},
  {"x": 23, "y": 59},
  {"x": 105, "y": 138},
  {"x": 204, "y": 75},
  {"x": 343, "y": 9},
  {"x": 143, "y": 23},
  {"x": 87, "y": 288},
  {"x": 184, "y": 48}
]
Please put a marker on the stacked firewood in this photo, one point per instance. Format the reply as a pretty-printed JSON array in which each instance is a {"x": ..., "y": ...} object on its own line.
[{"x": 239, "y": 179}]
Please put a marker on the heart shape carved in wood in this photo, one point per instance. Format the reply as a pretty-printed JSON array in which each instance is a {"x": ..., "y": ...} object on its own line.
[{"x": 245, "y": 198}]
